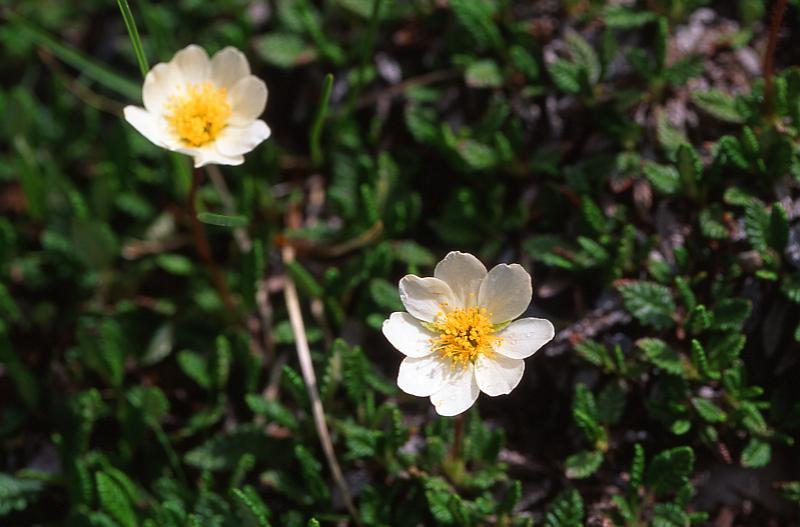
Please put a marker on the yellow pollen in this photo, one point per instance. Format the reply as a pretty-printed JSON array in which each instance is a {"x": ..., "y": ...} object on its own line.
[
  {"x": 464, "y": 334},
  {"x": 198, "y": 113}
]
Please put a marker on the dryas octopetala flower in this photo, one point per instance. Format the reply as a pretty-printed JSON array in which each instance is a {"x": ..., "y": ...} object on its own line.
[
  {"x": 205, "y": 108},
  {"x": 459, "y": 334}
]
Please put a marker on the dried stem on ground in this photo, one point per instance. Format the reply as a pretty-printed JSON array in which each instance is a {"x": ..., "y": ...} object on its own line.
[{"x": 310, "y": 379}]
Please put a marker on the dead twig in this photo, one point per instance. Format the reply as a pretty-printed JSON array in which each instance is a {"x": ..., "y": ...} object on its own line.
[{"x": 310, "y": 380}]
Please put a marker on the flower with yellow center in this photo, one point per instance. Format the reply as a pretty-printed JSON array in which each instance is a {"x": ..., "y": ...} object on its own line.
[
  {"x": 459, "y": 335},
  {"x": 205, "y": 108}
]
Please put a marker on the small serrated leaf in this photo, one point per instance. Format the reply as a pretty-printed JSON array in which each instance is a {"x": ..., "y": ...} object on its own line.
[
  {"x": 757, "y": 453},
  {"x": 221, "y": 220},
  {"x": 583, "y": 464}
]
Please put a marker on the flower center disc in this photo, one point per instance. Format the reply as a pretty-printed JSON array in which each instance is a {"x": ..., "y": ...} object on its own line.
[
  {"x": 464, "y": 333},
  {"x": 199, "y": 113}
]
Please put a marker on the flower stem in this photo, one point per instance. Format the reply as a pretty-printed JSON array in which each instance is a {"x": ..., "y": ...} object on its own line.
[
  {"x": 769, "y": 57},
  {"x": 202, "y": 246}
]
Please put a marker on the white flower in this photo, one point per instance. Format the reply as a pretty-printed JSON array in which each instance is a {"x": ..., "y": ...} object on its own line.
[
  {"x": 458, "y": 335},
  {"x": 205, "y": 108}
]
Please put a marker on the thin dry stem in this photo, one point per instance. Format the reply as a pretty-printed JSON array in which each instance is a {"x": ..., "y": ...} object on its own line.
[{"x": 310, "y": 379}]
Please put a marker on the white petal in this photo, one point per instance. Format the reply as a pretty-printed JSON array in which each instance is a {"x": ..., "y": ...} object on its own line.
[
  {"x": 161, "y": 83},
  {"x": 238, "y": 140},
  {"x": 463, "y": 273},
  {"x": 192, "y": 63},
  {"x": 228, "y": 66},
  {"x": 424, "y": 298},
  {"x": 208, "y": 155},
  {"x": 422, "y": 376},
  {"x": 405, "y": 333},
  {"x": 148, "y": 125},
  {"x": 506, "y": 292},
  {"x": 498, "y": 375},
  {"x": 248, "y": 98},
  {"x": 522, "y": 338},
  {"x": 458, "y": 393}
]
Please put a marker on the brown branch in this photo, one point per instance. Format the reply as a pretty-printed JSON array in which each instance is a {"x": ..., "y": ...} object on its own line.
[
  {"x": 310, "y": 380},
  {"x": 769, "y": 57}
]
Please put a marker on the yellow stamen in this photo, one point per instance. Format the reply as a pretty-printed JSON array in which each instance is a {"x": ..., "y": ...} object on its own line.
[
  {"x": 199, "y": 113},
  {"x": 464, "y": 334}
]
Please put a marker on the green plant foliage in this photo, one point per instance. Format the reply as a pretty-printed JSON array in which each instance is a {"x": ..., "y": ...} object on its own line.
[
  {"x": 650, "y": 303},
  {"x": 631, "y": 156}
]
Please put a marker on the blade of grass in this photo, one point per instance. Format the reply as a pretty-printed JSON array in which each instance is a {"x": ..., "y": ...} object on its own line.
[
  {"x": 133, "y": 33},
  {"x": 319, "y": 119},
  {"x": 97, "y": 71}
]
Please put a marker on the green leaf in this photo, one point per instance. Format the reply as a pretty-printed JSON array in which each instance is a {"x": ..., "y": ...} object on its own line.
[
  {"x": 660, "y": 354},
  {"x": 757, "y": 453},
  {"x": 319, "y": 119},
  {"x": 731, "y": 313},
  {"x": 565, "y": 511},
  {"x": 700, "y": 361},
  {"x": 756, "y": 223},
  {"x": 709, "y": 411},
  {"x": 623, "y": 17},
  {"x": 476, "y": 17},
  {"x": 284, "y": 50},
  {"x": 731, "y": 149},
  {"x": 611, "y": 403},
  {"x": 273, "y": 410},
  {"x": 565, "y": 75},
  {"x": 195, "y": 366},
  {"x": 594, "y": 352},
  {"x": 250, "y": 508},
  {"x": 670, "y": 470},
  {"x": 305, "y": 282},
  {"x": 637, "y": 469},
  {"x": 650, "y": 303},
  {"x": 689, "y": 167},
  {"x": 523, "y": 61},
  {"x": 664, "y": 178},
  {"x": 777, "y": 234},
  {"x": 669, "y": 515},
  {"x": 680, "y": 426},
  {"x": 114, "y": 500},
  {"x": 311, "y": 470},
  {"x": 583, "y": 464},
  {"x": 711, "y": 224},
  {"x": 160, "y": 345},
  {"x": 94, "y": 243},
  {"x": 222, "y": 220},
  {"x": 385, "y": 295},
  {"x": 718, "y": 104},
  {"x": 583, "y": 54},
  {"x": 669, "y": 136},
  {"x": 483, "y": 74}
]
